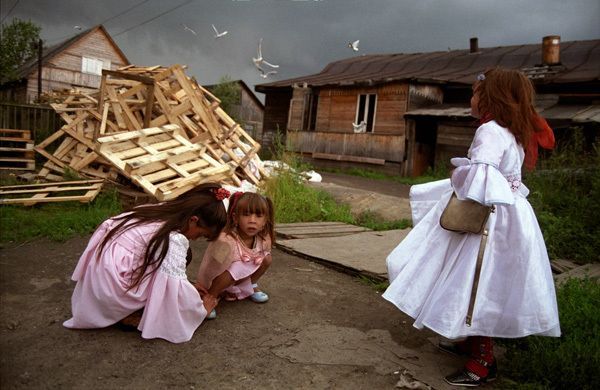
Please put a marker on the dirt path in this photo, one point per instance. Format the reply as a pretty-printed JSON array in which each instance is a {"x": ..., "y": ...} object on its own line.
[
  {"x": 387, "y": 200},
  {"x": 322, "y": 329}
]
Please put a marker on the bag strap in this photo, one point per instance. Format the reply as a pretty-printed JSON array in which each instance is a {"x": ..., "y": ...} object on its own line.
[{"x": 478, "y": 265}]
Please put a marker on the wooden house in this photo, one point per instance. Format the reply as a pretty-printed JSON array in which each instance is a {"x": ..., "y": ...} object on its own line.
[
  {"x": 247, "y": 110},
  {"x": 415, "y": 107},
  {"x": 74, "y": 63}
]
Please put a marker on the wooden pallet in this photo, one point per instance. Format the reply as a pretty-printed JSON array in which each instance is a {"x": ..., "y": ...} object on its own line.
[
  {"x": 29, "y": 194},
  {"x": 163, "y": 161},
  {"x": 140, "y": 100},
  {"x": 16, "y": 150}
]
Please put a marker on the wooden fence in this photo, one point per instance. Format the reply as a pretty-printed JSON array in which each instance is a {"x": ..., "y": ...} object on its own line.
[{"x": 41, "y": 120}]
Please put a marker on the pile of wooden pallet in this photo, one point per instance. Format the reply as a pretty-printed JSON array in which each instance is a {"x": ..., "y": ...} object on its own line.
[
  {"x": 16, "y": 150},
  {"x": 153, "y": 126}
]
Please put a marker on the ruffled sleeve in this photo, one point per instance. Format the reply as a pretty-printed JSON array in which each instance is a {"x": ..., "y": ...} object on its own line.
[
  {"x": 174, "y": 308},
  {"x": 478, "y": 177}
]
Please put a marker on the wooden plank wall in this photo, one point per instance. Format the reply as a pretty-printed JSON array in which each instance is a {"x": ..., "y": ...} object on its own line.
[
  {"x": 386, "y": 147},
  {"x": 276, "y": 115},
  {"x": 64, "y": 70},
  {"x": 453, "y": 140},
  {"x": 337, "y": 108}
]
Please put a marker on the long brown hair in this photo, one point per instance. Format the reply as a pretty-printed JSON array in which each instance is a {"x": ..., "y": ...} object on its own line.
[
  {"x": 507, "y": 96},
  {"x": 253, "y": 203},
  {"x": 175, "y": 214}
]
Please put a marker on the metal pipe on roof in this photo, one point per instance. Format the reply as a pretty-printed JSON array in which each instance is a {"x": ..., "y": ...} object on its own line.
[
  {"x": 551, "y": 50},
  {"x": 474, "y": 45}
]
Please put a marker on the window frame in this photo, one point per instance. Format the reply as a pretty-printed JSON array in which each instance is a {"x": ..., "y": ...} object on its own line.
[{"x": 365, "y": 110}]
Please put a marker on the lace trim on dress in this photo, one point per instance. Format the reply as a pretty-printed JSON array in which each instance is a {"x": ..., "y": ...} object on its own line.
[
  {"x": 174, "y": 262},
  {"x": 514, "y": 181}
]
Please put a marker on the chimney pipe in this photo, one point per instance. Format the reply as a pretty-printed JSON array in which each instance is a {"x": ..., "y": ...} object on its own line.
[
  {"x": 474, "y": 45},
  {"x": 551, "y": 50}
]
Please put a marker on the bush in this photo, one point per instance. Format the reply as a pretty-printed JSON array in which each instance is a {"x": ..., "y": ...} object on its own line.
[{"x": 569, "y": 362}]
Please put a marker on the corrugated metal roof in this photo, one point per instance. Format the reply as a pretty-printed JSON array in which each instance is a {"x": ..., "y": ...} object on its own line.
[
  {"x": 580, "y": 62},
  {"x": 571, "y": 112}
]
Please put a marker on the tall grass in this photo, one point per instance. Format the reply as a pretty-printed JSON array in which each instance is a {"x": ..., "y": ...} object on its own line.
[
  {"x": 569, "y": 362},
  {"x": 57, "y": 221},
  {"x": 296, "y": 202},
  {"x": 565, "y": 193}
]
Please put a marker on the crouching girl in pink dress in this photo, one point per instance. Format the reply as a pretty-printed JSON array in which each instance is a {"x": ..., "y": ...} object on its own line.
[
  {"x": 235, "y": 261},
  {"x": 137, "y": 260}
]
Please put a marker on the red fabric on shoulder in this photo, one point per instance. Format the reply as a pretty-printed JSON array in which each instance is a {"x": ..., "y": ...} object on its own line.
[{"x": 542, "y": 137}]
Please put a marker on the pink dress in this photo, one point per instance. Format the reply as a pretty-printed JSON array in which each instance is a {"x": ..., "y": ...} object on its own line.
[
  {"x": 227, "y": 253},
  {"x": 172, "y": 306}
]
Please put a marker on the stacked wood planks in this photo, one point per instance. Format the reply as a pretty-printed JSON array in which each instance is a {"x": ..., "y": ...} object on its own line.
[
  {"x": 154, "y": 126},
  {"x": 16, "y": 150}
]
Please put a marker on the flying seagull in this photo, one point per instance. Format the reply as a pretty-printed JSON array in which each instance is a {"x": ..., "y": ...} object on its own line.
[
  {"x": 260, "y": 60},
  {"x": 217, "y": 33},
  {"x": 264, "y": 74},
  {"x": 185, "y": 27},
  {"x": 354, "y": 45},
  {"x": 77, "y": 28}
]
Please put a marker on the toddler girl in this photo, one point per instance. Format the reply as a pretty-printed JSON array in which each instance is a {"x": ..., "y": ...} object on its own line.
[{"x": 234, "y": 262}]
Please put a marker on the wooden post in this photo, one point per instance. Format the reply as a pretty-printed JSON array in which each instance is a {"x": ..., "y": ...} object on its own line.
[{"x": 39, "y": 80}]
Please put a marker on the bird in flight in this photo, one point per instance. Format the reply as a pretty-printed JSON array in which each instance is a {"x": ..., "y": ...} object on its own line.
[
  {"x": 264, "y": 74},
  {"x": 185, "y": 27},
  {"x": 217, "y": 33},
  {"x": 354, "y": 45},
  {"x": 77, "y": 28},
  {"x": 260, "y": 60}
]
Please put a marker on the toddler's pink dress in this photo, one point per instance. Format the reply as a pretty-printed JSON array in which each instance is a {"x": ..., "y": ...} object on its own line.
[
  {"x": 241, "y": 262},
  {"x": 172, "y": 306}
]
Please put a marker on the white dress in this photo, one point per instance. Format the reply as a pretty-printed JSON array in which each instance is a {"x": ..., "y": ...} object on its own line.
[{"x": 431, "y": 271}]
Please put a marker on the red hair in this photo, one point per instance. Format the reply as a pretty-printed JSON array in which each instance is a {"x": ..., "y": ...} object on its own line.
[{"x": 507, "y": 96}]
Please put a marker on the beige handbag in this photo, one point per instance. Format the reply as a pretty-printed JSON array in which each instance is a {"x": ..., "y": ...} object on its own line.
[{"x": 467, "y": 216}]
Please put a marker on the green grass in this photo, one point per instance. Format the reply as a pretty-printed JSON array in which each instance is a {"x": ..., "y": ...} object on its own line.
[
  {"x": 56, "y": 221},
  {"x": 430, "y": 175},
  {"x": 569, "y": 362},
  {"x": 564, "y": 194},
  {"x": 295, "y": 202}
]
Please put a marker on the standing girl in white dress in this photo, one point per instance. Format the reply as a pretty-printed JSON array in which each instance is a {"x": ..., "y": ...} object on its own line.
[
  {"x": 233, "y": 263},
  {"x": 431, "y": 271}
]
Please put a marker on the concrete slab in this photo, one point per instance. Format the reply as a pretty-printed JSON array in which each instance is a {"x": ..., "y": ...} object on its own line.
[{"x": 361, "y": 253}]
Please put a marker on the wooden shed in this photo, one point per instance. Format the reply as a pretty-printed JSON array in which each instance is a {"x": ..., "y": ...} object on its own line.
[
  {"x": 321, "y": 114},
  {"x": 74, "y": 63}
]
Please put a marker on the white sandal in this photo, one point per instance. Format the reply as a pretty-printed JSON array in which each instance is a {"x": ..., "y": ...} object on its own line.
[{"x": 259, "y": 296}]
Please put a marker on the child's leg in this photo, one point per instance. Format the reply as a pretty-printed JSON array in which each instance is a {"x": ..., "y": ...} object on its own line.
[
  {"x": 220, "y": 283},
  {"x": 266, "y": 263},
  {"x": 482, "y": 356}
]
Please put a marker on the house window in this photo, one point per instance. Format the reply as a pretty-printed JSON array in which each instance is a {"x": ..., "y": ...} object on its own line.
[
  {"x": 365, "y": 110},
  {"x": 310, "y": 114},
  {"x": 93, "y": 65}
]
